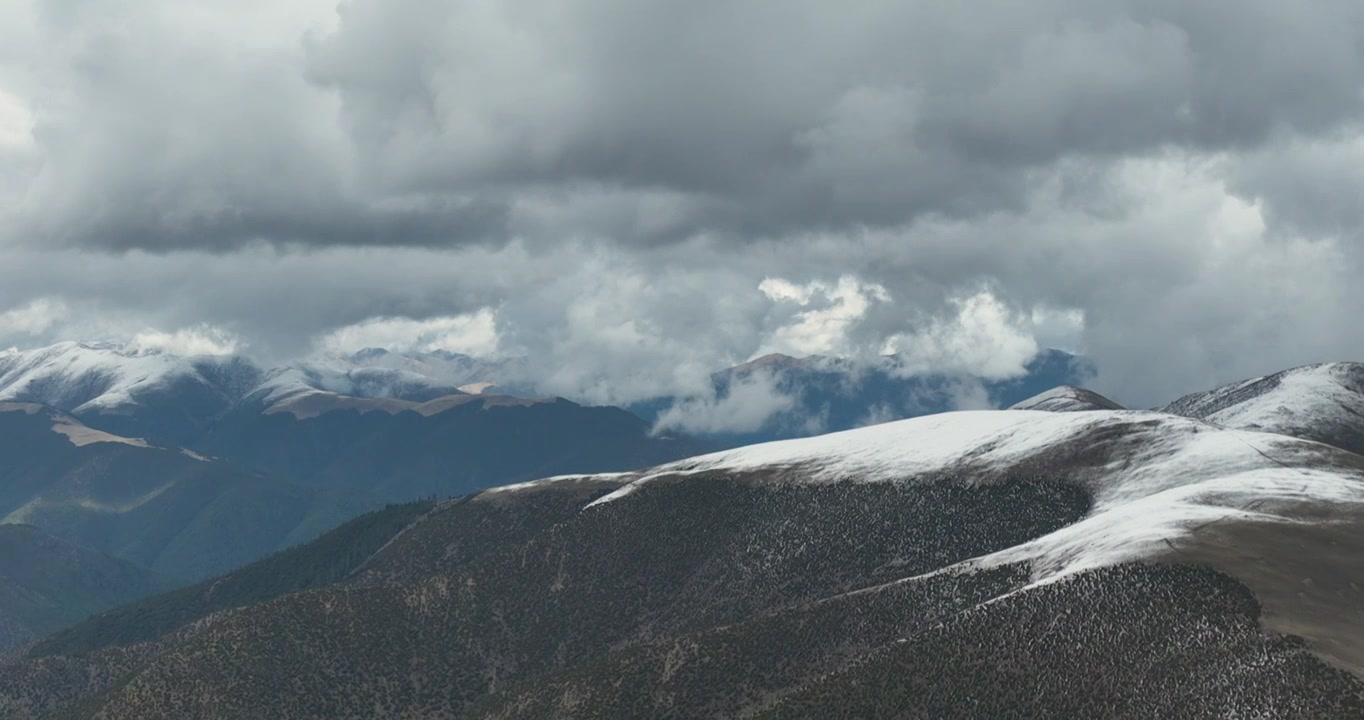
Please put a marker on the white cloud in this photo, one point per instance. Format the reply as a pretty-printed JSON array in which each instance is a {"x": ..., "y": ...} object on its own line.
[
  {"x": 470, "y": 333},
  {"x": 198, "y": 340},
  {"x": 747, "y": 407},
  {"x": 823, "y": 328},
  {"x": 33, "y": 318},
  {"x": 984, "y": 339}
]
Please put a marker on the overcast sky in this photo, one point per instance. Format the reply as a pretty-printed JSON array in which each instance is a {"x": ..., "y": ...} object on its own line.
[{"x": 634, "y": 193}]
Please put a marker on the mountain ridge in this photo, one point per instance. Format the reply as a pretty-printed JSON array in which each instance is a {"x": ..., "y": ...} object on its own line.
[{"x": 537, "y": 598}]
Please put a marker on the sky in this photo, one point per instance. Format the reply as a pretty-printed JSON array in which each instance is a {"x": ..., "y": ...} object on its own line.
[{"x": 632, "y": 194}]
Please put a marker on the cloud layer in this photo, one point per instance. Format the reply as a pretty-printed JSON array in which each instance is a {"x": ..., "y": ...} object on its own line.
[{"x": 634, "y": 194}]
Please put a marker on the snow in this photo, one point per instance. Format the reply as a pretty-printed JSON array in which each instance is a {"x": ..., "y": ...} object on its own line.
[
  {"x": 109, "y": 377},
  {"x": 545, "y": 482},
  {"x": 80, "y": 377},
  {"x": 1154, "y": 478},
  {"x": 369, "y": 383},
  {"x": 902, "y": 449},
  {"x": 437, "y": 368},
  {"x": 1304, "y": 396},
  {"x": 1066, "y": 399}
]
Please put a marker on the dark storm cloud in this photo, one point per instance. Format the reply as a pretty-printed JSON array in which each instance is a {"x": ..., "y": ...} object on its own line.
[
  {"x": 798, "y": 115},
  {"x": 430, "y": 121}
]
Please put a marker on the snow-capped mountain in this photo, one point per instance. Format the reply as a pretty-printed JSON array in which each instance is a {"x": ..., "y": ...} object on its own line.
[
  {"x": 439, "y": 367},
  {"x": 126, "y": 390},
  {"x": 1318, "y": 402},
  {"x": 1067, "y": 398},
  {"x": 371, "y": 383},
  {"x": 150, "y": 393}
]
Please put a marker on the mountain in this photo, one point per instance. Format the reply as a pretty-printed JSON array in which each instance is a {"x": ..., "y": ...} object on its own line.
[
  {"x": 1317, "y": 402},
  {"x": 177, "y": 512},
  {"x": 47, "y": 583},
  {"x": 818, "y": 394},
  {"x": 332, "y": 558},
  {"x": 399, "y": 449},
  {"x": 969, "y": 564},
  {"x": 1067, "y": 398},
  {"x": 439, "y": 367},
  {"x": 127, "y": 391},
  {"x": 374, "y": 424},
  {"x": 183, "y": 400}
]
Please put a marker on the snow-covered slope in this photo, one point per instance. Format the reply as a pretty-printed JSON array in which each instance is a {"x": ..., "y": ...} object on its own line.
[
  {"x": 142, "y": 392},
  {"x": 1153, "y": 476},
  {"x": 312, "y": 378},
  {"x": 1067, "y": 398},
  {"x": 1317, "y": 402},
  {"x": 128, "y": 391},
  {"x": 438, "y": 367},
  {"x": 1160, "y": 484},
  {"x": 108, "y": 378}
]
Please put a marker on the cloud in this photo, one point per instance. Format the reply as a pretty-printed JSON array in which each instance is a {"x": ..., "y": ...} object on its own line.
[
  {"x": 200, "y": 340},
  {"x": 16, "y": 123},
  {"x": 827, "y": 311},
  {"x": 745, "y": 408},
  {"x": 32, "y": 318},
  {"x": 632, "y": 196},
  {"x": 413, "y": 122},
  {"x": 470, "y": 334},
  {"x": 983, "y": 339}
]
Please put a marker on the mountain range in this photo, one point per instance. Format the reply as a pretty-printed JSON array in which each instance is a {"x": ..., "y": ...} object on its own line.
[
  {"x": 181, "y": 400},
  {"x": 192, "y": 466},
  {"x": 1078, "y": 560},
  {"x": 179, "y": 513}
]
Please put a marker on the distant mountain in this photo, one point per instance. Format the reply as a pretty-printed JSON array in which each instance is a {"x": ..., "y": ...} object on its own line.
[
  {"x": 399, "y": 450},
  {"x": 126, "y": 391},
  {"x": 47, "y": 583},
  {"x": 331, "y": 559},
  {"x": 154, "y": 394},
  {"x": 180, "y": 513},
  {"x": 819, "y": 394},
  {"x": 1317, "y": 402},
  {"x": 971, "y": 564},
  {"x": 374, "y": 424},
  {"x": 1067, "y": 398},
  {"x": 151, "y": 394},
  {"x": 439, "y": 367}
]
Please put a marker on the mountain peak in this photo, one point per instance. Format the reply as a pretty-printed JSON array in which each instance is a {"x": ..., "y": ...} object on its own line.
[
  {"x": 1322, "y": 402},
  {"x": 1067, "y": 398}
]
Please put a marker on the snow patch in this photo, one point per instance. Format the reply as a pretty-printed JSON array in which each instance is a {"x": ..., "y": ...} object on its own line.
[
  {"x": 195, "y": 456},
  {"x": 545, "y": 482},
  {"x": 1154, "y": 478}
]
